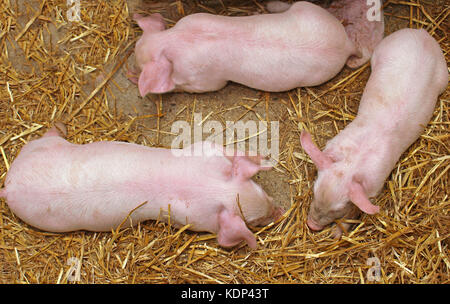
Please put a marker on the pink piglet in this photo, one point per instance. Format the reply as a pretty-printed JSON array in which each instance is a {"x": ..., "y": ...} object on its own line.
[{"x": 409, "y": 72}]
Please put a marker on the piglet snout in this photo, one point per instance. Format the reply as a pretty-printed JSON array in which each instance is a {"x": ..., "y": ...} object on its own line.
[{"x": 313, "y": 225}]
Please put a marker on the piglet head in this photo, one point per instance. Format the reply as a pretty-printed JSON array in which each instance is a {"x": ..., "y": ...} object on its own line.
[
  {"x": 153, "y": 70},
  {"x": 337, "y": 190},
  {"x": 252, "y": 206},
  {"x": 258, "y": 207}
]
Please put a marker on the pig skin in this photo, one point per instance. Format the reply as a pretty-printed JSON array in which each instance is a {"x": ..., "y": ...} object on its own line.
[
  {"x": 303, "y": 46},
  {"x": 409, "y": 72},
  {"x": 58, "y": 186}
]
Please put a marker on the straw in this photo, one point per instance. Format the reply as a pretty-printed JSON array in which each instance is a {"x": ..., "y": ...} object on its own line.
[{"x": 55, "y": 70}]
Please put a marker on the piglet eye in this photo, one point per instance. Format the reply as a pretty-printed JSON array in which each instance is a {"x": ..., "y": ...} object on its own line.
[
  {"x": 338, "y": 212},
  {"x": 316, "y": 209}
]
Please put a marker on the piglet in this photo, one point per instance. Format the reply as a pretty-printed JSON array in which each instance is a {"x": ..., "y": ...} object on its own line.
[
  {"x": 409, "y": 71},
  {"x": 58, "y": 186},
  {"x": 303, "y": 46}
]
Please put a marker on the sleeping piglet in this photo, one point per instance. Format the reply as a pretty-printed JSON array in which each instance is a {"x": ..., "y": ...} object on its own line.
[
  {"x": 303, "y": 46},
  {"x": 58, "y": 186},
  {"x": 409, "y": 72}
]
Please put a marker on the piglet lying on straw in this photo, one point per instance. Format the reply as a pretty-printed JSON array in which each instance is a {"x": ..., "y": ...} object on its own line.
[
  {"x": 409, "y": 71},
  {"x": 58, "y": 186},
  {"x": 304, "y": 46}
]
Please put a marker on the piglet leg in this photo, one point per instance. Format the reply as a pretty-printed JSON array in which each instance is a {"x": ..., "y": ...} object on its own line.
[
  {"x": 364, "y": 23},
  {"x": 133, "y": 75},
  {"x": 342, "y": 227}
]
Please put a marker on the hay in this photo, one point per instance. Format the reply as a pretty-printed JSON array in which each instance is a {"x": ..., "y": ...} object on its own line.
[{"x": 54, "y": 70}]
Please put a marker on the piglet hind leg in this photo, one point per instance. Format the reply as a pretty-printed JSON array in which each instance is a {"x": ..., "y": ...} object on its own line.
[{"x": 364, "y": 24}]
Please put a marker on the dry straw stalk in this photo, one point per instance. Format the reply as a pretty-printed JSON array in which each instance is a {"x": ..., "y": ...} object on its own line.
[{"x": 54, "y": 70}]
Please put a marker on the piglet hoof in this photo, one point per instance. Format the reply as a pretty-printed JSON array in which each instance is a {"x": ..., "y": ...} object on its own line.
[
  {"x": 133, "y": 75},
  {"x": 278, "y": 213},
  {"x": 339, "y": 230}
]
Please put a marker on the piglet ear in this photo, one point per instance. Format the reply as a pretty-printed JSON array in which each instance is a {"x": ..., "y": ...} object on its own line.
[
  {"x": 277, "y": 6},
  {"x": 320, "y": 159},
  {"x": 359, "y": 197},
  {"x": 156, "y": 77},
  {"x": 152, "y": 23},
  {"x": 232, "y": 230},
  {"x": 245, "y": 164},
  {"x": 244, "y": 167}
]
